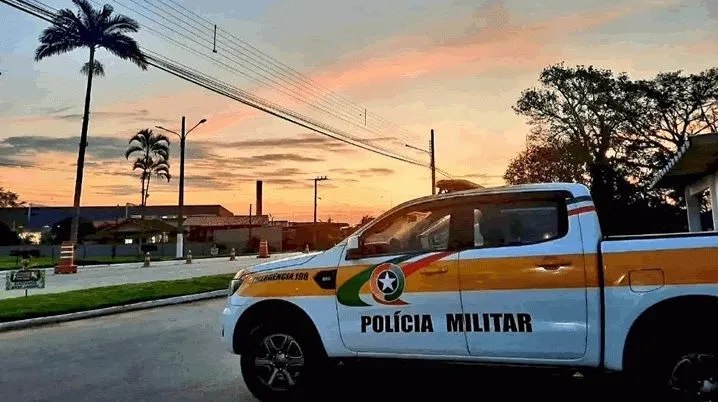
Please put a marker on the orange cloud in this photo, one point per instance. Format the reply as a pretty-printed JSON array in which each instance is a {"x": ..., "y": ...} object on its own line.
[{"x": 498, "y": 45}]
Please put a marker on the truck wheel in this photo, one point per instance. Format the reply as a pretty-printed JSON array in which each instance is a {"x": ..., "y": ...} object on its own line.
[
  {"x": 279, "y": 363},
  {"x": 694, "y": 375},
  {"x": 687, "y": 371}
]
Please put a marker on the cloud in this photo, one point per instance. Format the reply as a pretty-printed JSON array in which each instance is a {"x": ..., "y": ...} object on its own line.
[
  {"x": 98, "y": 147},
  {"x": 282, "y": 172},
  {"x": 369, "y": 172},
  {"x": 117, "y": 189},
  {"x": 57, "y": 113},
  {"x": 712, "y": 7},
  {"x": 309, "y": 141},
  {"x": 486, "y": 40}
]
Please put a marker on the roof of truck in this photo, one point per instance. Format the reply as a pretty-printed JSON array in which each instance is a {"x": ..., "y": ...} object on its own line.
[{"x": 574, "y": 188}]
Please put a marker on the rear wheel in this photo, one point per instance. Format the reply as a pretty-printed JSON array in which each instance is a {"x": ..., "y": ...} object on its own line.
[
  {"x": 279, "y": 364},
  {"x": 687, "y": 371}
]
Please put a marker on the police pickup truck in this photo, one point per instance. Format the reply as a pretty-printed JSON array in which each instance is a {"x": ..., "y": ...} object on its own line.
[{"x": 517, "y": 275}]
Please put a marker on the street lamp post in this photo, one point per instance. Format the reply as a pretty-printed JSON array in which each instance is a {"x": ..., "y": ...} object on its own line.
[
  {"x": 432, "y": 161},
  {"x": 180, "y": 218}
]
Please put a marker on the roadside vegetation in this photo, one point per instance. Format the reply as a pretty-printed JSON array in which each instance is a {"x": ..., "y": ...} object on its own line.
[{"x": 45, "y": 305}]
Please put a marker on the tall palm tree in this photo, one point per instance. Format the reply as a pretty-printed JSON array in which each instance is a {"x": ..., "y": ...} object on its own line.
[
  {"x": 150, "y": 167},
  {"x": 153, "y": 160},
  {"x": 92, "y": 29}
]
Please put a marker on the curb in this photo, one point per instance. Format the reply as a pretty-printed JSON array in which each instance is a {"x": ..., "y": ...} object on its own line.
[{"x": 34, "y": 322}]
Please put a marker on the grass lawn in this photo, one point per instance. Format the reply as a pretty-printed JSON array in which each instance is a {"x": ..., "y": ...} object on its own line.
[{"x": 89, "y": 299}]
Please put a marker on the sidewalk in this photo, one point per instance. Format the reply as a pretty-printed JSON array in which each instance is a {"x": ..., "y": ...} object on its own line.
[{"x": 108, "y": 275}]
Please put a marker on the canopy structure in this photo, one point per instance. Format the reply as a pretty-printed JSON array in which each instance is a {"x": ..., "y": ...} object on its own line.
[
  {"x": 694, "y": 169},
  {"x": 450, "y": 186}
]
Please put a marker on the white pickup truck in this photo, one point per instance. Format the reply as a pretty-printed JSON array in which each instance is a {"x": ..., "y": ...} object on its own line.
[{"x": 517, "y": 275}]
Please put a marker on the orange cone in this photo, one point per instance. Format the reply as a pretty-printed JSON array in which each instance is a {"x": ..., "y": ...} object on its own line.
[{"x": 263, "y": 249}]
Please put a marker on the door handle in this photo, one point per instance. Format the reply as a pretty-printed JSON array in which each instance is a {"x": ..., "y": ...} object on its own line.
[
  {"x": 553, "y": 265},
  {"x": 434, "y": 271}
]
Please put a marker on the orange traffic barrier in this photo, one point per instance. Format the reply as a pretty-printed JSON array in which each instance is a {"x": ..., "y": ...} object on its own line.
[
  {"x": 263, "y": 249},
  {"x": 67, "y": 259}
]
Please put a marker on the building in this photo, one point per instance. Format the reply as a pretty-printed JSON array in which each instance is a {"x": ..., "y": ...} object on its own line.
[
  {"x": 318, "y": 236},
  {"x": 203, "y": 228},
  {"x": 37, "y": 220},
  {"x": 694, "y": 171},
  {"x": 135, "y": 231}
]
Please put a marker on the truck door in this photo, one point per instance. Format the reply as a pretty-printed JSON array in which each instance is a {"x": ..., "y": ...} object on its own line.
[
  {"x": 523, "y": 283},
  {"x": 395, "y": 293}
]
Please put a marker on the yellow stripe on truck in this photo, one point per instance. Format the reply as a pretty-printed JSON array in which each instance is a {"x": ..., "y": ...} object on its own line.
[
  {"x": 680, "y": 267},
  {"x": 283, "y": 284}
]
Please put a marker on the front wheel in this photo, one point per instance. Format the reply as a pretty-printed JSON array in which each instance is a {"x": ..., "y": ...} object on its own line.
[{"x": 279, "y": 364}]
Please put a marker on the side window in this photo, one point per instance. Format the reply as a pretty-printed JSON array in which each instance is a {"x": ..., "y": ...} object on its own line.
[
  {"x": 415, "y": 230},
  {"x": 519, "y": 223}
]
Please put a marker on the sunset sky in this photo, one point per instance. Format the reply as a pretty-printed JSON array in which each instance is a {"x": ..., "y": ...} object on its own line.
[{"x": 454, "y": 66}]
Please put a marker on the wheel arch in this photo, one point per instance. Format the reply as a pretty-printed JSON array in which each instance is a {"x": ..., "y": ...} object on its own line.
[
  {"x": 655, "y": 318},
  {"x": 275, "y": 310}
]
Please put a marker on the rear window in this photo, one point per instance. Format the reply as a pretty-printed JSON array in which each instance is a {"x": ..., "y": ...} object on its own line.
[{"x": 519, "y": 223}]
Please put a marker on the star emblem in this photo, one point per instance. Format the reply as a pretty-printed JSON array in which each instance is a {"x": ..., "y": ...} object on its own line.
[{"x": 387, "y": 281}]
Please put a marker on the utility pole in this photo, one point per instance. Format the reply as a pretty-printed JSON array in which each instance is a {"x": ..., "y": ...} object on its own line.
[
  {"x": 179, "y": 249},
  {"x": 180, "y": 218},
  {"x": 317, "y": 179},
  {"x": 432, "y": 160},
  {"x": 314, "y": 228},
  {"x": 433, "y": 164}
]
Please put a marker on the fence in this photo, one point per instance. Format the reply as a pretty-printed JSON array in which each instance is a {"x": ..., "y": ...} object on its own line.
[{"x": 88, "y": 251}]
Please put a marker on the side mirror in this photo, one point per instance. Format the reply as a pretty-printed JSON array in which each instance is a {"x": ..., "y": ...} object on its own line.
[{"x": 353, "y": 249}]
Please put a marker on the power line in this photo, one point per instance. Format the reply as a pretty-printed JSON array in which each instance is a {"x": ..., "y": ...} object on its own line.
[
  {"x": 288, "y": 70},
  {"x": 186, "y": 73},
  {"x": 264, "y": 80}
]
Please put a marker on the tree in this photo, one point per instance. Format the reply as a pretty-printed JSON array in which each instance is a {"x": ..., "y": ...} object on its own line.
[
  {"x": 546, "y": 162},
  {"x": 154, "y": 151},
  {"x": 575, "y": 106},
  {"x": 8, "y": 199},
  {"x": 8, "y": 237},
  {"x": 92, "y": 29},
  {"x": 585, "y": 130},
  {"x": 62, "y": 230},
  {"x": 665, "y": 112}
]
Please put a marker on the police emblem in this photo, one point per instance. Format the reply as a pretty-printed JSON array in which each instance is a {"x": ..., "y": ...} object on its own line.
[{"x": 387, "y": 284}]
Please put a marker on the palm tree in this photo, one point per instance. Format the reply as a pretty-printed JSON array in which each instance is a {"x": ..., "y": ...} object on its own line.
[
  {"x": 156, "y": 167},
  {"x": 92, "y": 29},
  {"x": 154, "y": 151}
]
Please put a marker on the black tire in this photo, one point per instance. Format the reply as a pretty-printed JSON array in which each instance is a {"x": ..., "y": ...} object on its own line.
[
  {"x": 295, "y": 366},
  {"x": 684, "y": 369}
]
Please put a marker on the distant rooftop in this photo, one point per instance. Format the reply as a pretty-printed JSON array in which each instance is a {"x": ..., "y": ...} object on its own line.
[
  {"x": 226, "y": 221},
  {"x": 697, "y": 158},
  {"x": 38, "y": 217}
]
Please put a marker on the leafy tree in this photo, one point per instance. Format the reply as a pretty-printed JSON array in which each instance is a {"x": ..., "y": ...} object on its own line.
[
  {"x": 92, "y": 29},
  {"x": 8, "y": 199},
  {"x": 154, "y": 151},
  {"x": 575, "y": 106},
  {"x": 547, "y": 162},
  {"x": 665, "y": 112},
  {"x": 602, "y": 129},
  {"x": 61, "y": 230},
  {"x": 8, "y": 237}
]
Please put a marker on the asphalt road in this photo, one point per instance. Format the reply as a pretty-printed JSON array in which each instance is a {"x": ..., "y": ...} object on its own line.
[
  {"x": 135, "y": 273},
  {"x": 174, "y": 353}
]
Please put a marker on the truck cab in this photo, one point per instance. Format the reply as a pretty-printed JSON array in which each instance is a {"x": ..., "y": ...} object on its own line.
[{"x": 510, "y": 275}]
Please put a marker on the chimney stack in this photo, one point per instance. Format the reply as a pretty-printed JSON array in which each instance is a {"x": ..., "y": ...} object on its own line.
[{"x": 259, "y": 197}]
